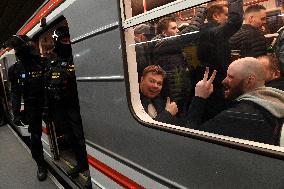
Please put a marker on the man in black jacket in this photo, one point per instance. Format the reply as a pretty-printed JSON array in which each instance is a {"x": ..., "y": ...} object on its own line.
[
  {"x": 158, "y": 108},
  {"x": 168, "y": 52},
  {"x": 168, "y": 55},
  {"x": 213, "y": 51},
  {"x": 250, "y": 39},
  {"x": 33, "y": 93},
  {"x": 62, "y": 98},
  {"x": 255, "y": 111}
]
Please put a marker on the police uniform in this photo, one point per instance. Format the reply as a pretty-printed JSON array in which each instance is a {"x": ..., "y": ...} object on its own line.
[
  {"x": 33, "y": 91},
  {"x": 63, "y": 104},
  {"x": 33, "y": 94}
]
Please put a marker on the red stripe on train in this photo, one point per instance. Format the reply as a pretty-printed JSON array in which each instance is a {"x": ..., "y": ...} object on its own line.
[
  {"x": 4, "y": 50},
  {"x": 45, "y": 10},
  {"x": 45, "y": 130},
  {"x": 113, "y": 174}
]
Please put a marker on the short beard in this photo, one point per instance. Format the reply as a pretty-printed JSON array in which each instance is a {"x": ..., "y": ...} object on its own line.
[{"x": 237, "y": 91}]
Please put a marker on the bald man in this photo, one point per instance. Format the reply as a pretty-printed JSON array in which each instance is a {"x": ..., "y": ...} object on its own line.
[{"x": 255, "y": 111}]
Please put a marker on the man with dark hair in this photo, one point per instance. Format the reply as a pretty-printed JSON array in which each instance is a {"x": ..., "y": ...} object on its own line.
[
  {"x": 274, "y": 77},
  {"x": 250, "y": 39},
  {"x": 255, "y": 112},
  {"x": 217, "y": 13},
  {"x": 156, "y": 106},
  {"x": 168, "y": 53},
  {"x": 143, "y": 32},
  {"x": 213, "y": 50},
  {"x": 167, "y": 26}
]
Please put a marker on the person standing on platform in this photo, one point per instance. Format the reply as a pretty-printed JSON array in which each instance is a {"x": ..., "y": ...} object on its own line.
[
  {"x": 62, "y": 98},
  {"x": 33, "y": 93}
]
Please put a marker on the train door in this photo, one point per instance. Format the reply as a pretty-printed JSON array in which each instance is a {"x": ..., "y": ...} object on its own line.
[{"x": 61, "y": 147}]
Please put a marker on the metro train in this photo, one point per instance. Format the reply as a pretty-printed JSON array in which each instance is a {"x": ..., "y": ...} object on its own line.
[{"x": 127, "y": 148}]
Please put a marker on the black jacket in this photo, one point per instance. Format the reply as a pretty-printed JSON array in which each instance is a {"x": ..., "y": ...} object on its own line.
[
  {"x": 16, "y": 74},
  {"x": 243, "y": 119},
  {"x": 214, "y": 52},
  {"x": 196, "y": 21},
  {"x": 60, "y": 82},
  {"x": 214, "y": 48},
  {"x": 276, "y": 83},
  {"x": 162, "y": 114},
  {"x": 168, "y": 53},
  {"x": 33, "y": 89},
  {"x": 143, "y": 57},
  {"x": 250, "y": 41}
]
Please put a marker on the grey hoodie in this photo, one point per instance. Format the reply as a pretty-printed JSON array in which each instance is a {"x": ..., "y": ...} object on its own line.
[{"x": 269, "y": 98}]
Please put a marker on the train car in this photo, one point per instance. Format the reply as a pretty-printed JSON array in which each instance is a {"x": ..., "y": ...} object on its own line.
[{"x": 126, "y": 147}]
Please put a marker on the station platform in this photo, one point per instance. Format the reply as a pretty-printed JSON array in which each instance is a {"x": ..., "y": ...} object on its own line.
[{"x": 17, "y": 168}]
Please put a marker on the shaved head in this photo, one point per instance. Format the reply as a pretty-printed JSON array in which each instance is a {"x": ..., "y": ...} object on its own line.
[
  {"x": 249, "y": 66},
  {"x": 243, "y": 75}
]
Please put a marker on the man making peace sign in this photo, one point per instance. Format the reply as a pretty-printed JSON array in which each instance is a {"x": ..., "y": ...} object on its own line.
[{"x": 255, "y": 111}]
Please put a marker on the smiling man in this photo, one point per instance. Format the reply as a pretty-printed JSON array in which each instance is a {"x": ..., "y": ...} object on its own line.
[
  {"x": 255, "y": 113},
  {"x": 150, "y": 87}
]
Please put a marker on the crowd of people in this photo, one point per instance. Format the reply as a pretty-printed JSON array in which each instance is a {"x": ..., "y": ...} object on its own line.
[
  {"x": 48, "y": 88},
  {"x": 243, "y": 97}
]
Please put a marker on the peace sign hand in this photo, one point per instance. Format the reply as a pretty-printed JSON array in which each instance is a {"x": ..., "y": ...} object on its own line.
[{"x": 204, "y": 88}]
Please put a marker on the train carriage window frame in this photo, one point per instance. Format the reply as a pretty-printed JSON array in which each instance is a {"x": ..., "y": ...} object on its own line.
[
  {"x": 162, "y": 10},
  {"x": 133, "y": 85}
]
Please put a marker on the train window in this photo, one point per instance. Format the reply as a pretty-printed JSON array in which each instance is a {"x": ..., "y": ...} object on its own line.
[
  {"x": 142, "y": 6},
  {"x": 135, "y": 12},
  {"x": 176, "y": 43}
]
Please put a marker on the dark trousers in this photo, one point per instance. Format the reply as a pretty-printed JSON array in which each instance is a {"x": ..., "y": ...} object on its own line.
[
  {"x": 68, "y": 118},
  {"x": 16, "y": 101},
  {"x": 34, "y": 118}
]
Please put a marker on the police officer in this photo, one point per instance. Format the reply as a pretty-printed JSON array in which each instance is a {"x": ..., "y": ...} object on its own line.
[
  {"x": 62, "y": 98},
  {"x": 16, "y": 75},
  {"x": 33, "y": 92}
]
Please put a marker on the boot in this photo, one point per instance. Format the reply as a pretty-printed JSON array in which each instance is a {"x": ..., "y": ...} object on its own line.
[
  {"x": 88, "y": 184},
  {"x": 73, "y": 173},
  {"x": 41, "y": 173}
]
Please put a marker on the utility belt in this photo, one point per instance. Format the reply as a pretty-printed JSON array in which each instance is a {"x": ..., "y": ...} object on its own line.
[{"x": 56, "y": 93}]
